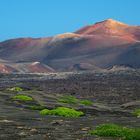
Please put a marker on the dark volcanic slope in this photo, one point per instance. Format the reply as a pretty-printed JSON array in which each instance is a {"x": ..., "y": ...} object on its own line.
[{"x": 103, "y": 45}]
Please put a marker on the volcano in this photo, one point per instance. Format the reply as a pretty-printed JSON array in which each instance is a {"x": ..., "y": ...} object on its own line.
[{"x": 102, "y": 45}]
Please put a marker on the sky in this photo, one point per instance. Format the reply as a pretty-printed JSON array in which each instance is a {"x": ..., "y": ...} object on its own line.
[{"x": 43, "y": 18}]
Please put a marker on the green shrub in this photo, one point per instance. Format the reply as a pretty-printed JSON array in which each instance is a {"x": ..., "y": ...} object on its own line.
[
  {"x": 22, "y": 98},
  {"x": 36, "y": 107},
  {"x": 15, "y": 89},
  {"x": 62, "y": 111},
  {"x": 113, "y": 130},
  {"x": 68, "y": 99},
  {"x": 86, "y": 102},
  {"x": 136, "y": 113},
  {"x": 46, "y": 112}
]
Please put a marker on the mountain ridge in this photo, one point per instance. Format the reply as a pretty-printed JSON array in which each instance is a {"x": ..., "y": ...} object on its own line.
[{"x": 103, "y": 44}]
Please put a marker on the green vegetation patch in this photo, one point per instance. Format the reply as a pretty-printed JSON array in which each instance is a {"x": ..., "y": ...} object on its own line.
[
  {"x": 68, "y": 99},
  {"x": 136, "y": 113},
  {"x": 22, "y": 98},
  {"x": 62, "y": 111},
  {"x": 15, "y": 89},
  {"x": 73, "y": 100},
  {"x": 86, "y": 102},
  {"x": 117, "y": 131},
  {"x": 35, "y": 107}
]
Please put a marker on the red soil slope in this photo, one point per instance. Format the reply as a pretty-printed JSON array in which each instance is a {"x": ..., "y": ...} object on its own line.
[{"x": 104, "y": 44}]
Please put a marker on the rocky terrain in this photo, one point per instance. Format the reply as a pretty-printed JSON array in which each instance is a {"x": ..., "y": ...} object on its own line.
[{"x": 114, "y": 93}]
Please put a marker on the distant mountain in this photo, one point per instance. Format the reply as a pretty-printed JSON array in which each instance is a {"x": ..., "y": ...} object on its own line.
[{"x": 102, "y": 45}]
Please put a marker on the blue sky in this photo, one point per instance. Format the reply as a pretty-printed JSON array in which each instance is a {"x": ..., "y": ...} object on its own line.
[{"x": 42, "y": 18}]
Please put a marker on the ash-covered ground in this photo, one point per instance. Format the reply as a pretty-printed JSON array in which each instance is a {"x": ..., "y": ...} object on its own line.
[{"x": 115, "y": 94}]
